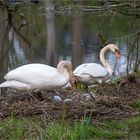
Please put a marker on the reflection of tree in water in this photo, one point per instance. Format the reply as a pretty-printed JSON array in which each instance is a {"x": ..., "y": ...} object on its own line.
[
  {"x": 51, "y": 33},
  {"x": 16, "y": 53},
  {"x": 76, "y": 36},
  {"x": 3, "y": 41}
]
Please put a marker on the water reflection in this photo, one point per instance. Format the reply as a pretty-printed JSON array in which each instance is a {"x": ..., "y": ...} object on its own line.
[
  {"x": 76, "y": 39},
  {"x": 16, "y": 53}
]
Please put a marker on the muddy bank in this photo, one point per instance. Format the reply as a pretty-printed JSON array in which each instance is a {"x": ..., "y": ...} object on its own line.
[{"x": 111, "y": 101}]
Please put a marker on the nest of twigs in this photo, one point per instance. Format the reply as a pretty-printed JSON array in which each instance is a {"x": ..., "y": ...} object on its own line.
[{"x": 110, "y": 101}]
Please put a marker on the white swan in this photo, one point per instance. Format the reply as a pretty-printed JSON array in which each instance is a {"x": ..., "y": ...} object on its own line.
[
  {"x": 39, "y": 76},
  {"x": 92, "y": 73}
]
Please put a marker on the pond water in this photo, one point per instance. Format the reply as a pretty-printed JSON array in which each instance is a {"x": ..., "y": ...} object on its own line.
[{"x": 78, "y": 39}]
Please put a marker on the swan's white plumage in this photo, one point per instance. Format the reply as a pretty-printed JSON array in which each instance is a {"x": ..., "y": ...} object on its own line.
[
  {"x": 16, "y": 85},
  {"x": 35, "y": 76},
  {"x": 92, "y": 73},
  {"x": 93, "y": 69}
]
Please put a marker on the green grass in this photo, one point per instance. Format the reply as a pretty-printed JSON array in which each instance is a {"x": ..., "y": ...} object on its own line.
[
  {"x": 137, "y": 105},
  {"x": 33, "y": 128}
]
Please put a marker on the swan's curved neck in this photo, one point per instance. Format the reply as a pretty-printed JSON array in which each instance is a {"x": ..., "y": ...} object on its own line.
[
  {"x": 103, "y": 60},
  {"x": 63, "y": 71}
]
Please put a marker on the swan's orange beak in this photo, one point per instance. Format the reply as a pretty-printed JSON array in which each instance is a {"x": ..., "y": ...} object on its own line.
[{"x": 117, "y": 54}]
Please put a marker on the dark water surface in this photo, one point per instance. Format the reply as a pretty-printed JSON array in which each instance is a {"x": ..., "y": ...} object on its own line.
[{"x": 77, "y": 39}]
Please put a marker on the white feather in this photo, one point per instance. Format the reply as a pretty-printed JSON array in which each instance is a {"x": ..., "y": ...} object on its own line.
[
  {"x": 92, "y": 69},
  {"x": 92, "y": 73},
  {"x": 35, "y": 76}
]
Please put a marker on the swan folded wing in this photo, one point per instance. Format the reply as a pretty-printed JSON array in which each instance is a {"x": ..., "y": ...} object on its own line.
[
  {"x": 35, "y": 74},
  {"x": 92, "y": 69},
  {"x": 28, "y": 70}
]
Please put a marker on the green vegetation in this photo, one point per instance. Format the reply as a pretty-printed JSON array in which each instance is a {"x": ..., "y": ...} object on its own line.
[
  {"x": 33, "y": 128},
  {"x": 137, "y": 105}
]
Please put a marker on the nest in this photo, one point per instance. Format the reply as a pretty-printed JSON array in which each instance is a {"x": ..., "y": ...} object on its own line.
[{"x": 110, "y": 101}]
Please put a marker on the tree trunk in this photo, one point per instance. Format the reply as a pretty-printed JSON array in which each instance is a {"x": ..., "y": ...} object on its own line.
[
  {"x": 51, "y": 58},
  {"x": 4, "y": 31},
  {"x": 76, "y": 37}
]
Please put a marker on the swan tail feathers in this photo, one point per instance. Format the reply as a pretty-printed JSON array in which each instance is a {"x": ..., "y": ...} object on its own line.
[
  {"x": 5, "y": 84},
  {"x": 15, "y": 85}
]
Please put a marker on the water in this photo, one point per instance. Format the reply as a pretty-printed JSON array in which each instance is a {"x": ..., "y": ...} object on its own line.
[{"x": 76, "y": 40}]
